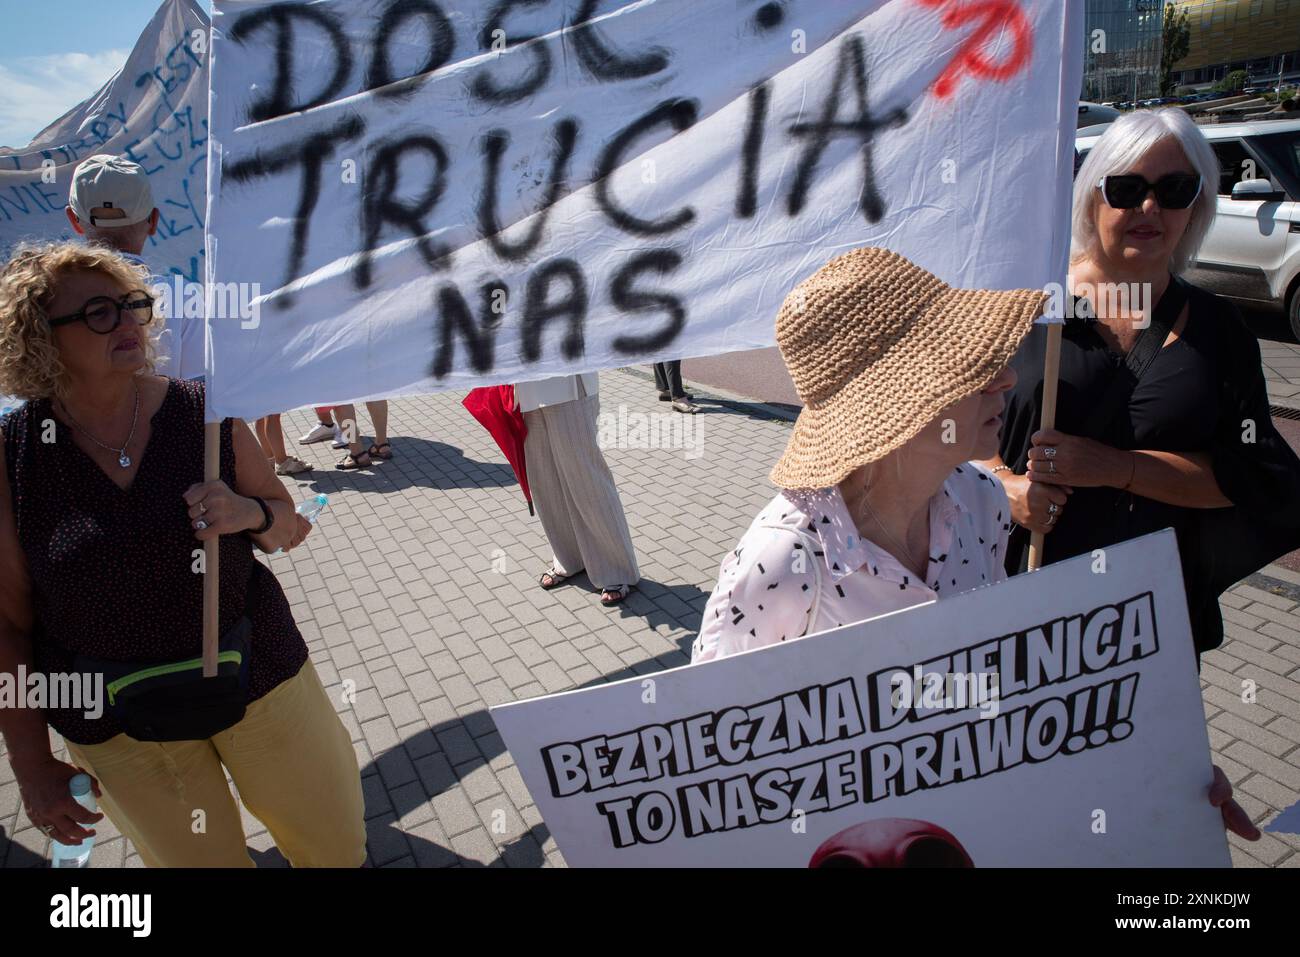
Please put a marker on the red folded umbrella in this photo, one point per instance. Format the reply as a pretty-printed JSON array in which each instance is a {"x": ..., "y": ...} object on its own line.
[{"x": 494, "y": 408}]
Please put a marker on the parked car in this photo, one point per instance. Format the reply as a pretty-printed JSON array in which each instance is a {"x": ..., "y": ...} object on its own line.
[
  {"x": 1091, "y": 131},
  {"x": 1095, "y": 114},
  {"x": 1252, "y": 252}
]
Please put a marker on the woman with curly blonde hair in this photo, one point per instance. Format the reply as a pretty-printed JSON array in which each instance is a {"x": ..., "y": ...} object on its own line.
[
  {"x": 103, "y": 512},
  {"x": 30, "y": 363}
]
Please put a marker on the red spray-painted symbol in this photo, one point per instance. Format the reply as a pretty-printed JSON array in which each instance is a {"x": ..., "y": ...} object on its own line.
[{"x": 993, "y": 18}]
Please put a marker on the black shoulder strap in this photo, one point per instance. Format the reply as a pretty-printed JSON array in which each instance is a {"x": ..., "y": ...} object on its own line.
[{"x": 1139, "y": 359}]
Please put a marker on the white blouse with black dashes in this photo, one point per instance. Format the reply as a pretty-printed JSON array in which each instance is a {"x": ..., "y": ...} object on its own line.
[{"x": 802, "y": 567}]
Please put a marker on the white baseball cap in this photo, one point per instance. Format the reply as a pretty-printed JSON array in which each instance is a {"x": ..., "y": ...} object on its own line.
[{"x": 104, "y": 182}]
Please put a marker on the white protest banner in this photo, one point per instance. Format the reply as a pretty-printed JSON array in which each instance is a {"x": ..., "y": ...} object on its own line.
[
  {"x": 439, "y": 194},
  {"x": 154, "y": 111},
  {"x": 1072, "y": 733}
]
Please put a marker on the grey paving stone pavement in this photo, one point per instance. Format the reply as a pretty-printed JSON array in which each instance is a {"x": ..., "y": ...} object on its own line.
[
  {"x": 1281, "y": 372},
  {"x": 418, "y": 589}
]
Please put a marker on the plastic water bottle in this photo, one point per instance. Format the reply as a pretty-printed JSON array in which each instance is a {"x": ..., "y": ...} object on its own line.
[
  {"x": 309, "y": 510},
  {"x": 76, "y": 855}
]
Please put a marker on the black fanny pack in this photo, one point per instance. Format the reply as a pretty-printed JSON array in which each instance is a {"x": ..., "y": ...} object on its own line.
[{"x": 171, "y": 700}]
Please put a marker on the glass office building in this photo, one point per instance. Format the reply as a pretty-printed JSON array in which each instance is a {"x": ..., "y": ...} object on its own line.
[
  {"x": 1121, "y": 58},
  {"x": 1261, "y": 37}
]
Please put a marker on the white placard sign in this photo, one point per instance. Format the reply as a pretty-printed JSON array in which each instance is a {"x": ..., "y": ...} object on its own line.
[
  {"x": 154, "y": 111},
  {"x": 853, "y": 746},
  {"x": 438, "y": 194}
]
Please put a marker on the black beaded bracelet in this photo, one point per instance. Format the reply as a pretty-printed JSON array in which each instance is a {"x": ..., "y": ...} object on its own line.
[{"x": 267, "y": 514}]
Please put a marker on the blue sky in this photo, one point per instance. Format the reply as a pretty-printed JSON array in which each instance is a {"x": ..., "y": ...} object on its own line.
[{"x": 55, "y": 53}]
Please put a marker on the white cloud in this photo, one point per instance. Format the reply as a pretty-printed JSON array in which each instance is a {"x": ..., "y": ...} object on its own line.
[{"x": 36, "y": 90}]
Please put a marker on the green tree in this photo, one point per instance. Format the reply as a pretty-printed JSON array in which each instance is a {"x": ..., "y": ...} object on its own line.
[
  {"x": 1232, "y": 83},
  {"x": 1176, "y": 38}
]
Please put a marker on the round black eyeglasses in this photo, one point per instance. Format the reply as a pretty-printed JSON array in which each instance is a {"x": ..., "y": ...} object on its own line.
[{"x": 103, "y": 314}]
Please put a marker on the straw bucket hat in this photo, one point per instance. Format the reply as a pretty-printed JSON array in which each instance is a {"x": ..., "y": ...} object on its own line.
[{"x": 877, "y": 348}]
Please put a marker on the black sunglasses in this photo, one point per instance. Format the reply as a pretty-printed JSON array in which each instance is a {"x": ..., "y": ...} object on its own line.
[
  {"x": 103, "y": 314},
  {"x": 1175, "y": 191}
]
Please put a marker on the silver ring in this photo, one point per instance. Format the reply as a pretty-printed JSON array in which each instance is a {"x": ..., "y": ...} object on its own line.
[
  {"x": 202, "y": 508},
  {"x": 200, "y": 525},
  {"x": 1052, "y": 508},
  {"x": 1051, "y": 520},
  {"x": 1051, "y": 468},
  {"x": 1049, "y": 452}
]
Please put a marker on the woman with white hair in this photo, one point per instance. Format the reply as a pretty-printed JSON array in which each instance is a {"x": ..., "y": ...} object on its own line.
[{"x": 1162, "y": 416}]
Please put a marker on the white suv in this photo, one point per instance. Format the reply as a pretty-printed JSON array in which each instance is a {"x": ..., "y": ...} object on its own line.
[{"x": 1252, "y": 252}]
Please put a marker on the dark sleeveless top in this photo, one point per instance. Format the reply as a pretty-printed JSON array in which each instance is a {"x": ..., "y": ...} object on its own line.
[{"x": 112, "y": 571}]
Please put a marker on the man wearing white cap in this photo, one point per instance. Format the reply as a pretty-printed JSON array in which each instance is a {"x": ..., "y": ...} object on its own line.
[{"x": 111, "y": 204}]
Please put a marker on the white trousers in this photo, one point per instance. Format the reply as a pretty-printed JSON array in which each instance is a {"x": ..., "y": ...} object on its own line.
[{"x": 575, "y": 496}]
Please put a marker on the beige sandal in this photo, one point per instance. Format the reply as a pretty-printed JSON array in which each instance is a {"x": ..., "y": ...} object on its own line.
[
  {"x": 292, "y": 466},
  {"x": 551, "y": 578}
]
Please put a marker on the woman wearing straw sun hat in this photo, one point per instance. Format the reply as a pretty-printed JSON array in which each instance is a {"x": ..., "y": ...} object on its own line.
[{"x": 902, "y": 379}]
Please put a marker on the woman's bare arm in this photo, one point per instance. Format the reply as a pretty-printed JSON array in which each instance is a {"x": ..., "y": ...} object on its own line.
[
  {"x": 1184, "y": 479},
  {"x": 25, "y": 732},
  {"x": 255, "y": 477}
]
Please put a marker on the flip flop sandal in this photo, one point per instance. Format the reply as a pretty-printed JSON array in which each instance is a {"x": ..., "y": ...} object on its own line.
[
  {"x": 614, "y": 596},
  {"x": 377, "y": 451},
  {"x": 356, "y": 461},
  {"x": 551, "y": 578}
]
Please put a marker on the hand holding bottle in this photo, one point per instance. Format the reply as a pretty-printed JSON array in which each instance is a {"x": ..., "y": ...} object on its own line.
[{"x": 48, "y": 801}]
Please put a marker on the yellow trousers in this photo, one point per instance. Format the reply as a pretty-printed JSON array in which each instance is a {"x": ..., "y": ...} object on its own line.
[{"x": 290, "y": 758}]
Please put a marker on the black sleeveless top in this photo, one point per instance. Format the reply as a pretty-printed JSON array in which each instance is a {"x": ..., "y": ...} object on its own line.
[{"x": 112, "y": 571}]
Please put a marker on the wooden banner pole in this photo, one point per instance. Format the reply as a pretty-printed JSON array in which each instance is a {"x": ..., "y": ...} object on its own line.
[
  {"x": 211, "y": 551},
  {"x": 1051, "y": 373}
]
